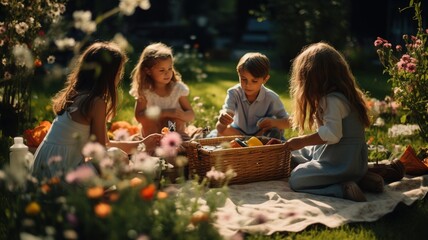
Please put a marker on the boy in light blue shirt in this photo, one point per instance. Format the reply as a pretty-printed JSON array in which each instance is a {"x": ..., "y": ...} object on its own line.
[{"x": 250, "y": 108}]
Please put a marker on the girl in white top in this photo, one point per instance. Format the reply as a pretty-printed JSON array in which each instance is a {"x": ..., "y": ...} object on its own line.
[
  {"x": 83, "y": 107},
  {"x": 155, "y": 83},
  {"x": 334, "y": 158}
]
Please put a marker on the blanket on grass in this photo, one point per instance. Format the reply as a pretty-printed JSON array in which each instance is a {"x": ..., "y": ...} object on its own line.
[{"x": 271, "y": 206}]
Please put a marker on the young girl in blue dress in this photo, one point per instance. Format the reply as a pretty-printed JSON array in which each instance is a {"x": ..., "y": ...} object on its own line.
[
  {"x": 333, "y": 160},
  {"x": 83, "y": 108}
]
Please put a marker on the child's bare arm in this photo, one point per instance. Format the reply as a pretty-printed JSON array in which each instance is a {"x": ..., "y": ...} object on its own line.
[
  {"x": 268, "y": 123},
  {"x": 303, "y": 141},
  {"x": 140, "y": 109},
  {"x": 186, "y": 115}
]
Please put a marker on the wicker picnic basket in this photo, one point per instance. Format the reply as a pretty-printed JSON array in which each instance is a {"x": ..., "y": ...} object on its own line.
[{"x": 252, "y": 164}]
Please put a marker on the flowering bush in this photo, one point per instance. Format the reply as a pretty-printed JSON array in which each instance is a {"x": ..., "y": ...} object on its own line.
[
  {"x": 408, "y": 71},
  {"x": 23, "y": 38},
  {"x": 122, "y": 201}
]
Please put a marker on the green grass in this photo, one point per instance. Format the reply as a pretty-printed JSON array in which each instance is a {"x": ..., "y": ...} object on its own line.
[{"x": 406, "y": 222}]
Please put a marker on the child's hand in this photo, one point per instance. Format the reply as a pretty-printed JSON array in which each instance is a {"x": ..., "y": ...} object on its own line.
[
  {"x": 225, "y": 118},
  {"x": 294, "y": 143},
  {"x": 266, "y": 123}
]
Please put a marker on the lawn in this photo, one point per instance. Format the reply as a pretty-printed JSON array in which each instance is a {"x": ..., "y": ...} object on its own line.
[{"x": 406, "y": 222}]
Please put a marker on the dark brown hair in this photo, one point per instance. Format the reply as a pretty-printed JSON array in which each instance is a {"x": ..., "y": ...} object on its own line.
[{"x": 95, "y": 73}]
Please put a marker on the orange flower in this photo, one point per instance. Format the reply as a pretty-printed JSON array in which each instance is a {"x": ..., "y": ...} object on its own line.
[
  {"x": 38, "y": 63},
  {"x": 95, "y": 192},
  {"x": 125, "y": 125},
  {"x": 162, "y": 195},
  {"x": 35, "y": 136},
  {"x": 114, "y": 196},
  {"x": 102, "y": 210},
  {"x": 136, "y": 181},
  {"x": 33, "y": 208},
  {"x": 198, "y": 217},
  {"x": 54, "y": 180},
  {"x": 45, "y": 188},
  {"x": 164, "y": 131},
  {"x": 148, "y": 192}
]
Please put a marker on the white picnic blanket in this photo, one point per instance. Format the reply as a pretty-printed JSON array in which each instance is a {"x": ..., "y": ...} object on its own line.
[{"x": 271, "y": 206}]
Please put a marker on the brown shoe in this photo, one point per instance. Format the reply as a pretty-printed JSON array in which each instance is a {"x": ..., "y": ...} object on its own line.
[
  {"x": 351, "y": 191},
  {"x": 390, "y": 172},
  {"x": 371, "y": 182}
]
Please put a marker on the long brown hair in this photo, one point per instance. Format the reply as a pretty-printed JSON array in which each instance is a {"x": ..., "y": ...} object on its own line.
[
  {"x": 150, "y": 56},
  {"x": 95, "y": 73},
  {"x": 318, "y": 70}
]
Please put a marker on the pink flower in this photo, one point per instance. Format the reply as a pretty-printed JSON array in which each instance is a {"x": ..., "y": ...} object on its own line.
[
  {"x": 216, "y": 175},
  {"x": 94, "y": 150},
  {"x": 399, "y": 48},
  {"x": 402, "y": 64},
  {"x": 170, "y": 143},
  {"x": 387, "y": 45},
  {"x": 377, "y": 43},
  {"x": 411, "y": 67},
  {"x": 81, "y": 174},
  {"x": 405, "y": 58}
]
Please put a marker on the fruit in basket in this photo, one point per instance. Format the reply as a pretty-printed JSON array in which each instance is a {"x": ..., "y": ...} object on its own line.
[
  {"x": 234, "y": 144},
  {"x": 253, "y": 141},
  {"x": 240, "y": 142},
  {"x": 273, "y": 141}
]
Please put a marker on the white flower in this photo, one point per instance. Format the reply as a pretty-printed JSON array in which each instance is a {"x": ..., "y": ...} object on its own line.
[
  {"x": 2, "y": 29},
  {"x": 89, "y": 27},
  {"x": 127, "y": 7},
  {"x": 1, "y": 42},
  {"x": 4, "y": 2},
  {"x": 39, "y": 42},
  {"x": 21, "y": 28},
  {"x": 82, "y": 21},
  {"x": 121, "y": 41},
  {"x": 51, "y": 59},
  {"x": 379, "y": 122},
  {"x": 23, "y": 56},
  {"x": 81, "y": 18},
  {"x": 4, "y": 61},
  {"x": 65, "y": 43},
  {"x": 144, "y": 4},
  {"x": 403, "y": 130},
  {"x": 94, "y": 150}
]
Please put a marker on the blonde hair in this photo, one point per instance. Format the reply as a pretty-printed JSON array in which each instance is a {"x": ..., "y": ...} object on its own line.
[
  {"x": 95, "y": 73},
  {"x": 255, "y": 63},
  {"x": 150, "y": 56},
  {"x": 318, "y": 70}
]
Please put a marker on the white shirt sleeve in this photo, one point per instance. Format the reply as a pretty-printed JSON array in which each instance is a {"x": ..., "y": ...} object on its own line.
[{"x": 333, "y": 110}]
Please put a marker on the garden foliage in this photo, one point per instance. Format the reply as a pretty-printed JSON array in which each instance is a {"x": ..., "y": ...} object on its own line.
[{"x": 407, "y": 67}]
